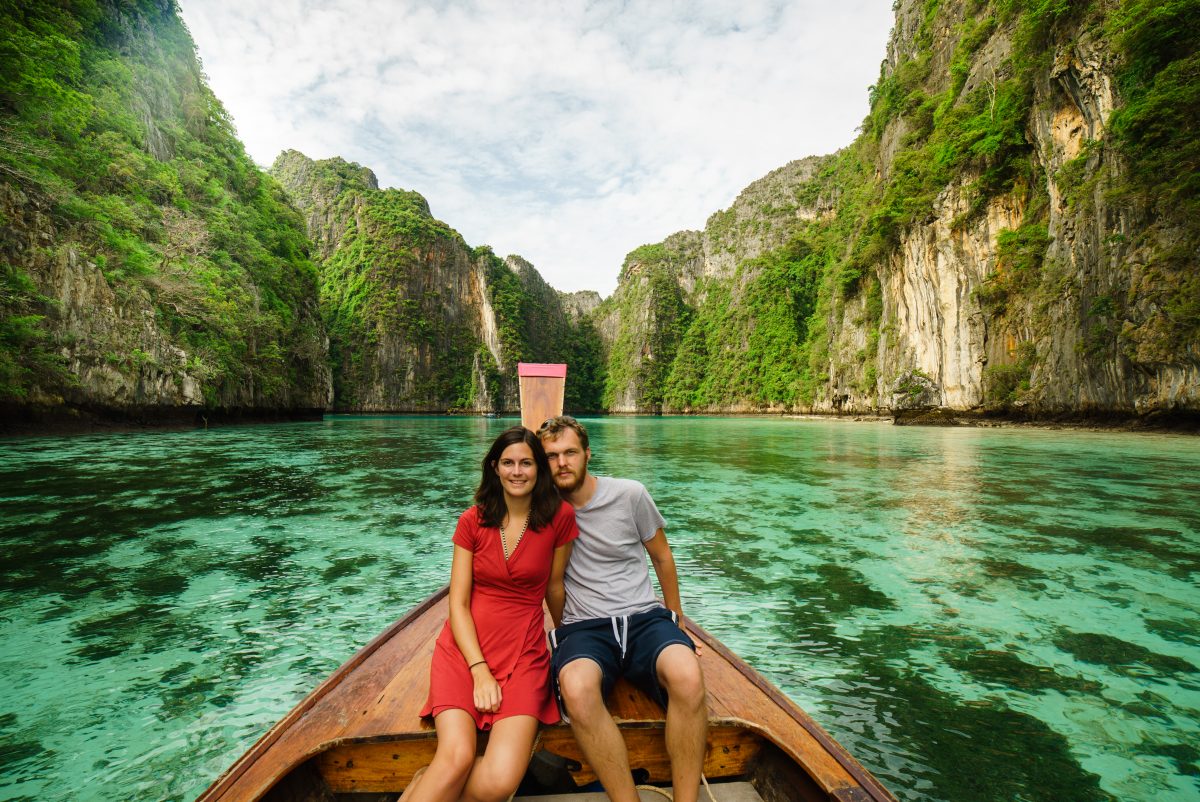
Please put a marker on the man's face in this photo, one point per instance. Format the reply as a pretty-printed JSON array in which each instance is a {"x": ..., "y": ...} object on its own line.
[{"x": 568, "y": 460}]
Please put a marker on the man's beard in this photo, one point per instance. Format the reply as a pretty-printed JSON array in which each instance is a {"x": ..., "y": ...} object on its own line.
[{"x": 575, "y": 485}]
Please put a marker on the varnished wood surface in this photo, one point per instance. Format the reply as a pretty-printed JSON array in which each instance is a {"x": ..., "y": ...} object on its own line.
[
  {"x": 541, "y": 398},
  {"x": 363, "y": 723}
]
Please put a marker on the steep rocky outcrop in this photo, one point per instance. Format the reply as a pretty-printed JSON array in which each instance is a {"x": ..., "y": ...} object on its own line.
[
  {"x": 1015, "y": 231},
  {"x": 419, "y": 321},
  {"x": 988, "y": 244},
  {"x": 150, "y": 271}
]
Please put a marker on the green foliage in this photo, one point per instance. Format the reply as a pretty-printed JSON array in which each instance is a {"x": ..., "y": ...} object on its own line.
[
  {"x": 896, "y": 93},
  {"x": 508, "y": 304},
  {"x": 752, "y": 347},
  {"x": 1023, "y": 250},
  {"x": 1159, "y": 41},
  {"x": 533, "y": 327},
  {"x": 373, "y": 290},
  {"x": 1100, "y": 335},
  {"x": 653, "y": 319},
  {"x": 27, "y": 357},
  {"x": 104, "y": 115},
  {"x": 1005, "y": 384},
  {"x": 912, "y": 385},
  {"x": 1020, "y": 254}
]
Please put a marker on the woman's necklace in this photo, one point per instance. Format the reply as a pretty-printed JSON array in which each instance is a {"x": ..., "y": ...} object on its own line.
[{"x": 504, "y": 540}]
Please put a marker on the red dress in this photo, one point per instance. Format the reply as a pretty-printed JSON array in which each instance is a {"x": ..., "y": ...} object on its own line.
[{"x": 506, "y": 605}]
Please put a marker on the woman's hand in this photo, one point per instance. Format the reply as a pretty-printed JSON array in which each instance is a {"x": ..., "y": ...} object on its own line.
[{"x": 487, "y": 690}]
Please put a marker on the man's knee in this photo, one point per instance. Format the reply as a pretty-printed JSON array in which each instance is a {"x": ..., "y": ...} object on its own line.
[
  {"x": 579, "y": 683},
  {"x": 679, "y": 672}
]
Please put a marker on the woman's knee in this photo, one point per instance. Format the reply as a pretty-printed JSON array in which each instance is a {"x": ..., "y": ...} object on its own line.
[
  {"x": 457, "y": 757},
  {"x": 493, "y": 783}
]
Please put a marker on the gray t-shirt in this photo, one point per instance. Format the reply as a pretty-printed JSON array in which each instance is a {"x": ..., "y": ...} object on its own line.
[{"x": 608, "y": 574}]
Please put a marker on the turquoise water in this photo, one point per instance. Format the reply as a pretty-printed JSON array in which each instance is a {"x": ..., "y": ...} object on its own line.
[{"x": 976, "y": 614}]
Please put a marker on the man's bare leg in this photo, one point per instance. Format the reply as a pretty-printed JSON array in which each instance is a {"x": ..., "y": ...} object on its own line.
[
  {"x": 594, "y": 730},
  {"x": 687, "y": 718}
]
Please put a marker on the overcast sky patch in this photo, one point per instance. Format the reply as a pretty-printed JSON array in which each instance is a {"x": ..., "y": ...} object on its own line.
[{"x": 568, "y": 133}]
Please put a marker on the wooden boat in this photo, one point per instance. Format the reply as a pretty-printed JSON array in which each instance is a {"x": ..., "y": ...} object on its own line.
[{"x": 358, "y": 737}]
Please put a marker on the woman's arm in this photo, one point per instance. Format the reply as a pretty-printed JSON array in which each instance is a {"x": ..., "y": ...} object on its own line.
[
  {"x": 555, "y": 594},
  {"x": 462, "y": 625}
]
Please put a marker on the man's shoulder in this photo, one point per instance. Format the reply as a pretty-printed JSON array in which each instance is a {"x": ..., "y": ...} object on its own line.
[{"x": 618, "y": 486}]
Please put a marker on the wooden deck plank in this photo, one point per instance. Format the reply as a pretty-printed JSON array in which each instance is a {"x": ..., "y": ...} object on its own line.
[{"x": 398, "y": 703}]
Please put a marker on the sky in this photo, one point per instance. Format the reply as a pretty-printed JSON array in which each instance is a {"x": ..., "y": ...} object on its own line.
[{"x": 569, "y": 133}]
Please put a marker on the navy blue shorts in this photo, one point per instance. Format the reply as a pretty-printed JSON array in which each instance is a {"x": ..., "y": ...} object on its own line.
[{"x": 623, "y": 646}]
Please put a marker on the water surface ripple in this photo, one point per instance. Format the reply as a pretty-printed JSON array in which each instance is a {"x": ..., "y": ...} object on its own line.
[{"x": 976, "y": 614}]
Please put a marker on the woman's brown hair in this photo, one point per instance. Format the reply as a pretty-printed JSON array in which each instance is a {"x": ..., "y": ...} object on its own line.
[{"x": 489, "y": 496}]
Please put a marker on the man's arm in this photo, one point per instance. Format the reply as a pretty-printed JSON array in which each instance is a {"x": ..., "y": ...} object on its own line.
[
  {"x": 668, "y": 578},
  {"x": 664, "y": 568}
]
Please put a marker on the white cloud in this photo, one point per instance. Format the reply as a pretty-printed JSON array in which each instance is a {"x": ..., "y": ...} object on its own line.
[{"x": 570, "y": 134}]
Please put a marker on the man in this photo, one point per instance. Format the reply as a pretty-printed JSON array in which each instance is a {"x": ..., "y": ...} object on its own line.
[{"x": 610, "y": 624}]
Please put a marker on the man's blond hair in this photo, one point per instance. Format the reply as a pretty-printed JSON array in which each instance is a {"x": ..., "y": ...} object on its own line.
[{"x": 555, "y": 426}]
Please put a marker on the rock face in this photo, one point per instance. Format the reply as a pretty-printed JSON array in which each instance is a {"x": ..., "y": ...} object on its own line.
[
  {"x": 141, "y": 281},
  {"x": 1016, "y": 230},
  {"x": 419, "y": 321},
  {"x": 983, "y": 246}
]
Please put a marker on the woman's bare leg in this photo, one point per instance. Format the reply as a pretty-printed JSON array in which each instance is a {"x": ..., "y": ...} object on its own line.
[
  {"x": 444, "y": 778},
  {"x": 499, "y": 771}
]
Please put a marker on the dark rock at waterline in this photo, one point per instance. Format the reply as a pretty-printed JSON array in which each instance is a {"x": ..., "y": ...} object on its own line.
[{"x": 77, "y": 419}]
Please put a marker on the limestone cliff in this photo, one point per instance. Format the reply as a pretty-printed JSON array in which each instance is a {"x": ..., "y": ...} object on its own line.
[
  {"x": 150, "y": 270},
  {"x": 995, "y": 239},
  {"x": 419, "y": 320}
]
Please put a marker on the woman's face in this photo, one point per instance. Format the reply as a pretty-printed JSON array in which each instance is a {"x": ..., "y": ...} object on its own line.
[{"x": 517, "y": 470}]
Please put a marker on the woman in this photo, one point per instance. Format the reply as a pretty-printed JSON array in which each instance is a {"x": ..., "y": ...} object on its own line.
[{"x": 491, "y": 667}]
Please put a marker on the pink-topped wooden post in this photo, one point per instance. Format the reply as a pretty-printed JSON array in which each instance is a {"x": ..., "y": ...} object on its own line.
[{"x": 542, "y": 388}]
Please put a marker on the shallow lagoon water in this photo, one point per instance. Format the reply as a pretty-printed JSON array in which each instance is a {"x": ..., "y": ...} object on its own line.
[{"x": 976, "y": 614}]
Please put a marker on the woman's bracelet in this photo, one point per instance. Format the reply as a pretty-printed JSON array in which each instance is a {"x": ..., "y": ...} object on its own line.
[{"x": 477, "y": 663}]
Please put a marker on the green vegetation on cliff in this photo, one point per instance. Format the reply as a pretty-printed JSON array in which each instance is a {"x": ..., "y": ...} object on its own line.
[
  {"x": 406, "y": 301},
  {"x": 533, "y": 327},
  {"x": 959, "y": 122},
  {"x": 752, "y": 348},
  {"x": 653, "y": 317},
  {"x": 114, "y": 151},
  {"x": 1157, "y": 132}
]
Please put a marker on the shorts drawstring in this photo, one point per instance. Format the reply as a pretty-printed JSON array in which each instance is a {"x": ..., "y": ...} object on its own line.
[{"x": 621, "y": 634}]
